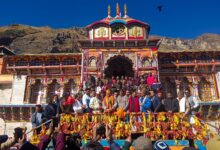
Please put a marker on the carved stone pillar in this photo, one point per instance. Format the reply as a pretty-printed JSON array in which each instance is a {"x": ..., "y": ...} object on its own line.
[
  {"x": 213, "y": 90},
  {"x": 177, "y": 86},
  {"x": 40, "y": 95},
  {"x": 195, "y": 90},
  {"x": 61, "y": 90},
  {"x": 44, "y": 99},
  {"x": 28, "y": 94},
  {"x": 195, "y": 87}
]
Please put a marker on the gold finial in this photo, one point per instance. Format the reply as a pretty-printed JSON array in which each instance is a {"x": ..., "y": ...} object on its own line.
[
  {"x": 125, "y": 10},
  {"x": 118, "y": 10},
  {"x": 109, "y": 11}
]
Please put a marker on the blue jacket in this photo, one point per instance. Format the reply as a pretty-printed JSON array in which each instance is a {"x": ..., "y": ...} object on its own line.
[{"x": 146, "y": 105}]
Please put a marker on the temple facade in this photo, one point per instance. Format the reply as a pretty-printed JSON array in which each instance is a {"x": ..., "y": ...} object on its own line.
[
  {"x": 197, "y": 71},
  {"x": 116, "y": 46},
  {"x": 119, "y": 46}
]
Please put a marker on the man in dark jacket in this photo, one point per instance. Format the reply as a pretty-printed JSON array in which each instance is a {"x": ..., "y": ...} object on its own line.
[
  {"x": 50, "y": 109},
  {"x": 160, "y": 106},
  {"x": 171, "y": 104},
  {"x": 56, "y": 102},
  {"x": 154, "y": 100}
]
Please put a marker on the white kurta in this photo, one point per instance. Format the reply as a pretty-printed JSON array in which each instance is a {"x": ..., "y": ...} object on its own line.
[{"x": 77, "y": 107}]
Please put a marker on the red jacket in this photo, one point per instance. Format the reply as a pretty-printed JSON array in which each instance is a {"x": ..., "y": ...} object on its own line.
[
  {"x": 150, "y": 80},
  {"x": 136, "y": 104}
]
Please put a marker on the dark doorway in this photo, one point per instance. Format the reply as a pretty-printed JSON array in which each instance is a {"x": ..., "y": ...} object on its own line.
[{"x": 119, "y": 66}]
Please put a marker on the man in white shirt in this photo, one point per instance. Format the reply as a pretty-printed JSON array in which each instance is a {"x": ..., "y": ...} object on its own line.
[
  {"x": 99, "y": 88},
  {"x": 77, "y": 105},
  {"x": 122, "y": 100},
  {"x": 86, "y": 100},
  {"x": 188, "y": 105},
  {"x": 95, "y": 103}
]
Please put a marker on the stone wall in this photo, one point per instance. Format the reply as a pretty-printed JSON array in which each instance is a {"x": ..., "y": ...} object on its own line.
[
  {"x": 18, "y": 89},
  {"x": 8, "y": 127},
  {"x": 5, "y": 93}
]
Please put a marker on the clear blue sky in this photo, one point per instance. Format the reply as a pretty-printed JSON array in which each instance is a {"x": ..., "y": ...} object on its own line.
[{"x": 179, "y": 18}]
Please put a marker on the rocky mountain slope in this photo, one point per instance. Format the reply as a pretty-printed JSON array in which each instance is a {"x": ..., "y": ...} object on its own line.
[
  {"x": 27, "y": 39},
  {"x": 205, "y": 42}
]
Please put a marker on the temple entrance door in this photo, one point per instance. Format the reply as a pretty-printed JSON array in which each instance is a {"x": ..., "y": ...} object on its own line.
[{"x": 119, "y": 66}]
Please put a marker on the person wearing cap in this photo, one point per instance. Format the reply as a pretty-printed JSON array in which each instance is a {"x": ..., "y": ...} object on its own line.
[
  {"x": 95, "y": 103},
  {"x": 68, "y": 104},
  {"x": 86, "y": 100}
]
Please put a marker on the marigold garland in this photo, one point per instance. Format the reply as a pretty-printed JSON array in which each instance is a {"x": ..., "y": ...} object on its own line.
[{"x": 155, "y": 126}]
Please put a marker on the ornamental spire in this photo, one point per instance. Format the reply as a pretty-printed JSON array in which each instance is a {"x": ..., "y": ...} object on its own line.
[
  {"x": 125, "y": 11},
  {"x": 109, "y": 11},
  {"x": 118, "y": 12}
]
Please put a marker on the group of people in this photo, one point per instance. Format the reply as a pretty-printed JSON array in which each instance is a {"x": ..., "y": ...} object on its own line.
[
  {"x": 140, "y": 94},
  {"x": 107, "y": 96}
]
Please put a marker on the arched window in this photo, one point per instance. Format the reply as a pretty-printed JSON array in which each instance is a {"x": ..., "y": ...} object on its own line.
[
  {"x": 146, "y": 62},
  {"x": 36, "y": 94},
  {"x": 203, "y": 58},
  {"x": 69, "y": 61},
  {"x": 36, "y": 62},
  {"x": 118, "y": 30},
  {"x": 185, "y": 59},
  {"x": 53, "y": 88},
  {"x": 167, "y": 60},
  {"x": 204, "y": 90},
  {"x": 168, "y": 85},
  {"x": 21, "y": 62},
  {"x": 53, "y": 62},
  {"x": 70, "y": 86}
]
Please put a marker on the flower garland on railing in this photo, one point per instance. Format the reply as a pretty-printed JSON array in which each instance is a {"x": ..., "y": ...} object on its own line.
[{"x": 155, "y": 126}]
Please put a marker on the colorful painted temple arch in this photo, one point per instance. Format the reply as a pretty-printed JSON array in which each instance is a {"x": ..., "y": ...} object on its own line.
[
  {"x": 119, "y": 65},
  {"x": 122, "y": 42}
]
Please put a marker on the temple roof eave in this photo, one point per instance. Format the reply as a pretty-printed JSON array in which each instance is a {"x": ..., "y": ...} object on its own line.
[
  {"x": 5, "y": 50},
  {"x": 136, "y": 43},
  {"x": 110, "y": 21}
]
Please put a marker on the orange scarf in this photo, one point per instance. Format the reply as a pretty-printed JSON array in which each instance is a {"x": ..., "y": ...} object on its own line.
[{"x": 109, "y": 101}]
